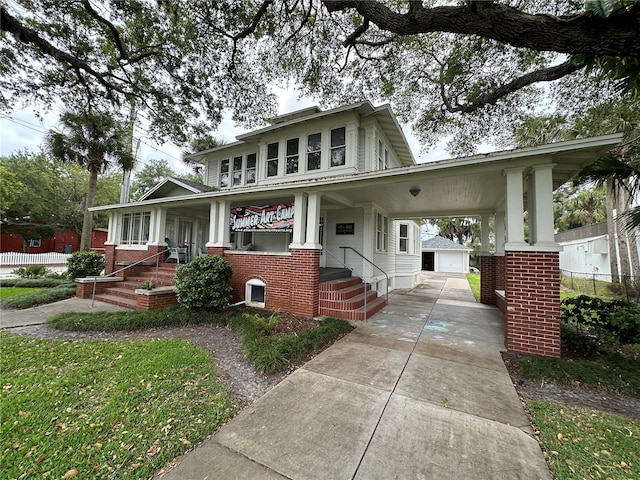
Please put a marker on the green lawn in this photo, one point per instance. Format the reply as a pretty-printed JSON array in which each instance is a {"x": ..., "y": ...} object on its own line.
[
  {"x": 587, "y": 444},
  {"x": 8, "y": 292},
  {"x": 104, "y": 409},
  {"x": 474, "y": 283}
]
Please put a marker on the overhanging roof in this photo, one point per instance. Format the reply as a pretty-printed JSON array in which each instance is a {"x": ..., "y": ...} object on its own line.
[{"x": 466, "y": 186}]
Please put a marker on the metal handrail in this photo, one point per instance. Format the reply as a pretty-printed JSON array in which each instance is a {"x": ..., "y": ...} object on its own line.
[
  {"x": 156, "y": 255},
  {"x": 365, "y": 283}
]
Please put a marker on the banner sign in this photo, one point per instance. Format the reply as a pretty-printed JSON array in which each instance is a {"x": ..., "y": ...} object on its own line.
[{"x": 267, "y": 218}]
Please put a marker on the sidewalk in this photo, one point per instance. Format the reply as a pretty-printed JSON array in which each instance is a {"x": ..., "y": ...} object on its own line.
[
  {"x": 418, "y": 392},
  {"x": 39, "y": 315}
]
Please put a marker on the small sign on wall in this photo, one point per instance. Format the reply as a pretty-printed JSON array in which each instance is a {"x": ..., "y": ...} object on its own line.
[{"x": 345, "y": 228}]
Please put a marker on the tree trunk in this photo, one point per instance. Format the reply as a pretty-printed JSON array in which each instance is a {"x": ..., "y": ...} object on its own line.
[
  {"x": 87, "y": 223},
  {"x": 623, "y": 247},
  {"x": 611, "y": 232}
]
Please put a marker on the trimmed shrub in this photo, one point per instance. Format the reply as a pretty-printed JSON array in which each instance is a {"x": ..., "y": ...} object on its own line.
[
  {"x": 32, "y": 271},
  {"x": 85, "y": 264},
  {"x": 205, "y": 282},
  {"x": 41, "y": 297}
]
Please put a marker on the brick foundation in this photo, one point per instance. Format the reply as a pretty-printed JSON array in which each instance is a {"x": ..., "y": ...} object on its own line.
[
  {"x": 291, "y": 279},
  {"x": 116, "y": 259},
  {"x": 532, "y": 322}
]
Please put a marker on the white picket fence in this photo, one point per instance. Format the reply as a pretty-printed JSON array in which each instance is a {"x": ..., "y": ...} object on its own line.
[{"x": 22, "y": 259}]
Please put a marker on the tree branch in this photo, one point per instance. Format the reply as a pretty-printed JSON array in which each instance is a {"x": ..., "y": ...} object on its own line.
[
  {"x": 490, "y": 98},
  {"x": 114, "y": 31},
  {"x": 617, "y": 35}
]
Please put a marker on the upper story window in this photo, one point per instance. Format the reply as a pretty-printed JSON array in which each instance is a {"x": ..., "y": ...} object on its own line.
[
  {"x": 382, "y": 232},
  {"x": 338, "y": 147},
  {"x": 387, "y": 159},
  {"x": 135, "y": 228},
  {"x": 380, "y": 155},
  {"x": 292, "y": 155},
  {"x": 314, "y": 146},
  {"x": 272, "y": 159},
  {"x": 403, "y": 244},
  {"x": 237, "y": 171},
  {"x": 251, "y": 168},
  {"x": 224, "y": 173}
]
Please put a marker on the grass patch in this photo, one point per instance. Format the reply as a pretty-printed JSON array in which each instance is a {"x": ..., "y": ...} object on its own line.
[
  {"x": 8, "y": 292},
  {"x": 41, "y": 296},
  {"x": 474, "y": 283},
  {"x": 104, "y": 409},
  {"x": 35, "y": 282},
  {"x": 609, "y": 371},
  {"x": 587, "y": 444},
  {"x": 269, "y": 354}
]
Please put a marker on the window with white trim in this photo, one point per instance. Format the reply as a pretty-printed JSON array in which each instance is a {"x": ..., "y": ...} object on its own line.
[
  {"x": 380, "y": 155},
  {"x": 224, "y": 173},
  {"x": 272, "y": 159},
  {"x": 338, "y": 147},
  {"x": 387, "y": 159},
  {"x": 35, "y": 242},
  {"x": 251, "y": 168},
  {"x": 403, "y": 238},
  {"x": 314, "y": 146},
  {"x": 135, "y": 228},
  {"x": 382, "y": 232},
  {"x": 292, "y": 158},
  {"x": 237, "y": 171}
]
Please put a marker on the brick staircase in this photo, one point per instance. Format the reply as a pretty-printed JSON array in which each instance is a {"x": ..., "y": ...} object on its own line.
[
  {"x": 344, "y": 298},
  {"x": 124, "y": 293}
]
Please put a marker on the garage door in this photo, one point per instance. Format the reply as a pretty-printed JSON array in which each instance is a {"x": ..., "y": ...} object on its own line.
[{"x": 450, "y": 262}]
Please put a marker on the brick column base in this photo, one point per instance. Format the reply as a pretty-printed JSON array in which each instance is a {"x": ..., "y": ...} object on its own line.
[
  {"x": 487, "y": 279},
  {"x": 532, "y": 322}
]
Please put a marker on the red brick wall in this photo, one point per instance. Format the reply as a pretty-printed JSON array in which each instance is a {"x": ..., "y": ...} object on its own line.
[
  {"x": 487, "y": 279},
  {"x": 291, "y": 280},
  {"x": 153, "y": 302},
  {"x": 501, "y": 281},
  {"x": 533, "y": 303}
]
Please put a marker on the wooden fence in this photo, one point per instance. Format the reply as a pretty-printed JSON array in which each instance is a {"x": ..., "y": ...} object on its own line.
[{"x": 23, "y": 259}]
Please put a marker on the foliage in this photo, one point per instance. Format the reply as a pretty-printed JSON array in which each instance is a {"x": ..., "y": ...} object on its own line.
[
  {"x": 32, "y": 271},
  {"x": 8, "y": 292},
  {"x": 575, "y": 207},
  {"x": 48, "y": 282},
  {"x": 266, "y": 324},
  {"x": 10, "y": 187},
  {"x": 459, "y": 230},
  {"x": 41, "y": 297},
  {"x": 582, "y": 443},
  {"x": 85, "y": 264},
  {"x": 61, "y": 189},
  {"x": 148, "y": 284},
  {"x": 267, "y": 353},
  {"x": 612, "y": 321},
  {"x": 104, "y": 409},
  {"x": 204, "y": 283},
  {"x": 609, "y": 371}
]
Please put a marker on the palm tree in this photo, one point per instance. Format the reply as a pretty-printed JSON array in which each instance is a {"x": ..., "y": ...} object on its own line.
[
  {"x": 95, "y": 141},
  {"x": 200, "y": 144}
]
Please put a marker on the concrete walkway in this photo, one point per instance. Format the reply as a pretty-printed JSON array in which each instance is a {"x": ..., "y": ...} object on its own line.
[{"x": 418, "y": 392}]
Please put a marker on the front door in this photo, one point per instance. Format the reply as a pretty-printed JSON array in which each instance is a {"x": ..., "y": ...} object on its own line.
[{"x": 186, "y": 237}]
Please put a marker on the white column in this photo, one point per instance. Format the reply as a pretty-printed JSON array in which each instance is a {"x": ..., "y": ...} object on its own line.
[
  {"x": 299, "y": 220},
  {"x": 514, "y": 209},
  {"x": 543, "y": 201},
  {"x": 223, "y": 238},
  {"x": 313, "y": 221},
  {"x": 484, "y": 235},
  {"x": 500, "y": 233},
  {"x": 213, "y": 224},
  {"x": 112, "y": 232},
  {"x": 156, "y": 228}
]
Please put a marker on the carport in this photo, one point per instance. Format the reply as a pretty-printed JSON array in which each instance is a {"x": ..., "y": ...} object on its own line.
[{"x": 519, "y": 274}]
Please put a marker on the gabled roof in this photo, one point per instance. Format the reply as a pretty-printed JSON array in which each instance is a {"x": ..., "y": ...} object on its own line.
[
  {"x": 440, "y": 243},
  {"x": 171, "y": 187}
]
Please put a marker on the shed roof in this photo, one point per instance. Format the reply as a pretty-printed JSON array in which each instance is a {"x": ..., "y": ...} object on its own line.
[{"x": 440, "y": 243}]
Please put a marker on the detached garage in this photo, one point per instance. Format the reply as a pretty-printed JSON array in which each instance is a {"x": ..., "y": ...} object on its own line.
[{"x": 440, "y": 254}]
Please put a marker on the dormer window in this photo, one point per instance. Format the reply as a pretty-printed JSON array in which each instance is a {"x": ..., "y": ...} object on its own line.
[
  {"x": 272, "y": 160},
  {"x": 224, "y": 173},
  {"x": 338, "y": 147},
  {"x": 314, "y": 146},
  {"x": 251, "y": 168},
  {"x": 292, "y": 155}
]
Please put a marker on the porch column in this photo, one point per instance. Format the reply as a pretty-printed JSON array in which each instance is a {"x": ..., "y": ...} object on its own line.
[
  {"x": 542, "y": 193},
  {"x": 112, "y": 232},
  {"x": 514, "y": 209},
  {"x": 484, "y": 235},
  {"x": 299, "y": 220},
  {"x": 500, "y": 233},
  {"x": 157, "y": 226},
  {"x": 313, "y": 222},
  {"x": 213, "y": 224},
  {"x": 223, "y": 238}
]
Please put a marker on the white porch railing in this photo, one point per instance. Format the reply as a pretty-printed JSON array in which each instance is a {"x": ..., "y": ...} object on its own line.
[{"x": 19, "y": 259}]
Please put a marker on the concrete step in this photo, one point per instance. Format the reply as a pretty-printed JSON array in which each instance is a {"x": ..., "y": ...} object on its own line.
[
  {"x": 117, "y": 300},
  {"x": 121, "y": 292},
  {"x": 327, "y": 274}
]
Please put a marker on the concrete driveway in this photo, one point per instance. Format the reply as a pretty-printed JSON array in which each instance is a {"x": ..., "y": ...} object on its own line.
[{"x": 418, "y": 392}]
